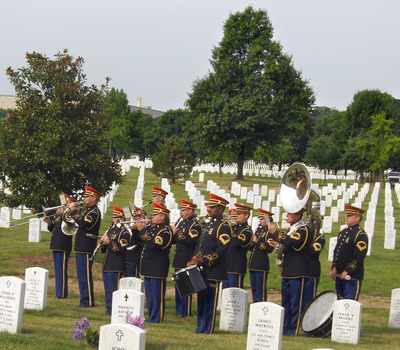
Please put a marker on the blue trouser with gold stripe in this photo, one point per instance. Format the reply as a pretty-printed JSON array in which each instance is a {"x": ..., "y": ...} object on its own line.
[
  {"x": 207, "y": 301},
  {"x": 85, "y": 279},
  {"x": 110, "y": 280},
  {"x": 258, "y": 283},
  {"x": 296, "y": 294},
  {"x": 348, "y": 289},
  {"x": 154, "y": 289},
  {"x": 183, "y": 304},
  {"x": 60, "y": 259},
  {"x": 233, "y": 280}
]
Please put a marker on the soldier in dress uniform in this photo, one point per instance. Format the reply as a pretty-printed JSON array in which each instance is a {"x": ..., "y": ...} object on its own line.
[
  {"x": 135, "y": 247},
  {"x": 236, "y": 256},
  {"x": 113, "y": 244},
  {"x": 186, "y": 235},
  {"x": 61, "y": 245},
  {"x": 85, "y": 244},
  {"x": 214, "y": 240},
  {"x": 348, "y": 257},
  {"x": 158, "y": 195},
  {"x": 296, "y": 285},
  {"x": 261, "y": 246},
  {"x": 314, "y": 251},
  {"x": 154, "y": 261}
]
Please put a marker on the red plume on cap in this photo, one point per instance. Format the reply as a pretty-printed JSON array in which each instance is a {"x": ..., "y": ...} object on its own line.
[
  {"x": 352, "y": 210},
  {"x": 242, "y": 208},
  {"x": 261, "y": 213},
  {"x": 186, "y": 204},
  {"x": 118, "y": 212},
  {"x": 91, "y": 191},
  {"x": 158, "y": 191},
  {"x": 214, "y": 200},
  {"x": 160, "y": 208}
]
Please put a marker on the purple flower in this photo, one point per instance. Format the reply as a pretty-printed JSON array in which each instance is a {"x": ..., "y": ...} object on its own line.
[
  {"x": 81, "y": 326},
  {"x": 135, "y": 321},
  {"x": 78, "y": 334}
]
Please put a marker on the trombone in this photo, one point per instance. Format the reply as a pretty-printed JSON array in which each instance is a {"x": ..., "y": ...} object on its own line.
[{"x": 49, "y": 212}]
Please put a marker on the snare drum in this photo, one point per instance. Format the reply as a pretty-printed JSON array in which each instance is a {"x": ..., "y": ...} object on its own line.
[
  {"x": 317, "y": 319},
  {"x": 189, "y": 281}
]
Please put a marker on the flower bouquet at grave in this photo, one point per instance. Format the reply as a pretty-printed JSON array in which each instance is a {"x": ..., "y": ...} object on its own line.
[
  {"x": 135, "y": 321},
  {"x": 82, "y": 329}
]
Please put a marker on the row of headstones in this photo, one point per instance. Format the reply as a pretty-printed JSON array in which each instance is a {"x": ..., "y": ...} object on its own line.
[
  {"x": 255, "y": 197},
  {"x": 390, "y": 230},
  {"x": 265, "y": 324},
  {"x": 369, "y": 224},
  {"x": 17, "y": 294},
  {"x": 256, "y": 169}
]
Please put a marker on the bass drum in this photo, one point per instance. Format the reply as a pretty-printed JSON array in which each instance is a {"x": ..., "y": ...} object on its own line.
[{"x": 317, "y": 318}]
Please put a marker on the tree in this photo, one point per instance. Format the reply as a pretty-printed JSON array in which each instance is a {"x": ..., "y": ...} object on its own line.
[
  {"x": 329, "y": 142},
  {"x": 172, "y": 160},
  {"x": 375, "y": 146},
  {"x": 141, "y": 134},
  {"x": 253, "y": 95},
  {"x": 120, "y": 120},
  {"x": 56, "y": 139},
  {"x": 172, "y": 150},
  {"x": 368, "y": 103}
]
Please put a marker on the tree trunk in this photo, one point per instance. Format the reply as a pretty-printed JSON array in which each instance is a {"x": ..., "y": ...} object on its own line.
[
  {"x": 240, "y": 165},
  {"x": 220, "y": 165}
]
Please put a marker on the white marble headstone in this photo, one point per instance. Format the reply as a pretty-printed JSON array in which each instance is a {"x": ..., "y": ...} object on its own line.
[
  {"x": 265, "y": 326},
  {"x": 36, "y": 281},
  {"x": 346, "y": 322},
  {"x": 12, "y": 294},
  {"x": 124, "y": 302},
  {"x": 233, "y": 310},
  {"x": 134, "y": 283},
  {"x": 394, "y": 316},
  {"x": 34, "y": 230},
  {"x": 121, "y": 336}
]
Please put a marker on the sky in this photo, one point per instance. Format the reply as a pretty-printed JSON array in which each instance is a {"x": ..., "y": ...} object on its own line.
[{"x": 157, "y": 49}]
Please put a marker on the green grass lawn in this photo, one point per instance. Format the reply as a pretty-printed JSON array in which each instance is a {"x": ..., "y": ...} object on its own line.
[{"x": 52, "y": 328}]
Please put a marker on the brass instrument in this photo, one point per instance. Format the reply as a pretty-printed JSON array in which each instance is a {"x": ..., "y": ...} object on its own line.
[
  {"x": 296, "y": 194},
  {"x": 70, "y": 217},
  {"x": 47, "y": 212},
  {"x": 117, "y": 243}
]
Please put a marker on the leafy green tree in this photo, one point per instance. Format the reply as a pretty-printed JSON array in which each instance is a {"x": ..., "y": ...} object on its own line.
[
  {"x": 172, "y": 150},
  {"x": 172, "y": 160},
  {"x": 253, "y": 95},
  {"x": 141, "y": 134},
  {"x": 368, "y": 103},
  {"x": 329, "y": 143},
  {"x": 117, "y": 110},
  {"x": 56, "y": 139},
  {"x": 373, "y": 148}
]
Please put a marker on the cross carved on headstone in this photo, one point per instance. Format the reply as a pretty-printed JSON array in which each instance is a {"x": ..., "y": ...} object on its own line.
[
  {"x": 126, "y": 297},
  {"x": 119, "y": 334}
]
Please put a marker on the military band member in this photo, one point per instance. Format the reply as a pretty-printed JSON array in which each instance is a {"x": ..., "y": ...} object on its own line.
[
  {"x": 113, "y": 244},
  {"x": 348, "y": 257},
  {"x": 85, "y": 243},
  {"x": 154, "y": 261},
  {"x": 296, "y": 285},
  {"x": 236, "y": 256},
  {"x": 186, "y": 235},
  {"x": 158, "y": 195},
  {"x": 214, "y": 240},
  {"x": 314, "y": 251},
  {"x": 135, "y": 246},
  {"x": 261, "y": 246},
  {"x": 61, "y": 245}
]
